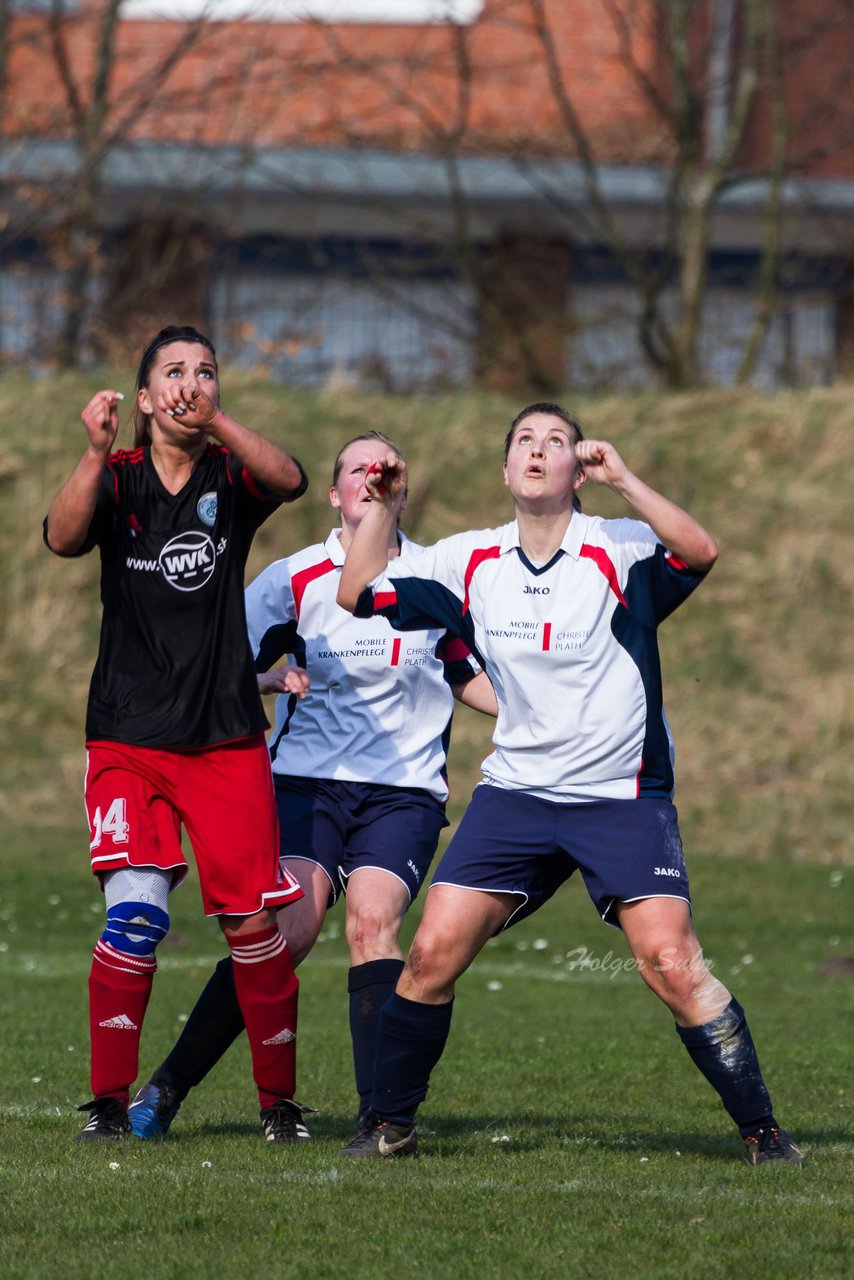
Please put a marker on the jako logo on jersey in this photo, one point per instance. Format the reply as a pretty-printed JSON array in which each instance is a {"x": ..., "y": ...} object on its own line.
[
  {"x": 187, "y": 561},
  {"x": 206, "y": 509},
  {"x": 536, "y": 591},
  {"x": 665, "y": 871}
]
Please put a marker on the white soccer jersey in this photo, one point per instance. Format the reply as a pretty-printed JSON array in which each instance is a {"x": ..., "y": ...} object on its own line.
[
  {"x": 570, "y": 648},
  {"x": 380, "y": 706}
]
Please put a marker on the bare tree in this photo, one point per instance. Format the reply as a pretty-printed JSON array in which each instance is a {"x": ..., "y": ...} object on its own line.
[
  {"x": 710, "y": 90},
  {"x": 703, "y": 101},
  {"x": 697, "y": 68},
  {"x": 706, "y": 83},
  {"x": 96, "y": 118}
]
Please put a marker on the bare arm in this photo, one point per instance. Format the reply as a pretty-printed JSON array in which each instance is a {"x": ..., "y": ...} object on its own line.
[
  {"x": 72, "y": 509},
  {"x": 266, "y": 462},
  {"x": 478, "y": 694},
  {"x": 675, "y": 528},
  {"x": 367, "y": 555}
]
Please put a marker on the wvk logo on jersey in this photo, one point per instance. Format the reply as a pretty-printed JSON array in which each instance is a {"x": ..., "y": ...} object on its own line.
[{"x": 188, "y": 560}]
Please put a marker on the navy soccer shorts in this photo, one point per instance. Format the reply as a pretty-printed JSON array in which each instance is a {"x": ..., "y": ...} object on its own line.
[
  {"x": 512, "y": 842},
  {"x": 343, "y": 826}
]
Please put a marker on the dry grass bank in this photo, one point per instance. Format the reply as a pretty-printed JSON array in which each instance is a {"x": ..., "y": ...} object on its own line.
[{"x": 758, "y": 665}]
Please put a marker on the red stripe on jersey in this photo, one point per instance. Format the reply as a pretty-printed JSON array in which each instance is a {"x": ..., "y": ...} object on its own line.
[
  {"x": 637, "y": 780},
  {"x": 547, "y": 635},
  {"x": 132, "y": 456},
  {"x": 477, "y": 559},
  {"x": 677, "y": 563},
  {"x": 395, "y": 652},
  {"x": 384, "y": 600},
  {"x": 452, "y": 649},
  {"x": 251, "y": 485},
  {"x": 603, "y": 562},
  {"x": 115, "y": 483},
  {"x": 303, "y": 577}
]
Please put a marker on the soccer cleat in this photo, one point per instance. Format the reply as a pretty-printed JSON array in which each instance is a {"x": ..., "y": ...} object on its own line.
[
  {"x": 380, "y": 1138},
  {"x": 772, "y": 1143},
  {"x": 153, "y": 1110},
  {"x": 108, "y": 1119},
  {"x": 366, "y": 1123},
  {"x": 282, "y": 1123}
]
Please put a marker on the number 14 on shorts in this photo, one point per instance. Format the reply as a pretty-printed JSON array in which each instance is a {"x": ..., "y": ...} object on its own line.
[{"x": 113, "y": 823}]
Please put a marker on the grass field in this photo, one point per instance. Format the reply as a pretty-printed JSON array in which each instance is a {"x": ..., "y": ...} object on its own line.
[{"x": 566, "y": 1133}]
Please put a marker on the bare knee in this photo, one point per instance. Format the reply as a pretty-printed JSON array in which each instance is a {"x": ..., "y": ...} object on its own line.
[
  {"x": 679, "y": 976},
  {"x": 371, "y": 935},
  {"x": 430, "y": 971}
]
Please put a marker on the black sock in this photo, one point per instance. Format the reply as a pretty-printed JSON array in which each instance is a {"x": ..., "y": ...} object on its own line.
[
  {"x": 369, "y": 985},
  {"x": 723, "y": 1050},
  {"x": 212, "y": 1027},
  {"x": 411, "y": 1040}
]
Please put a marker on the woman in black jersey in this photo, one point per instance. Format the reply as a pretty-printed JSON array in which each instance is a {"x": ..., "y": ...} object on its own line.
[{"x": 174, "y": 725}]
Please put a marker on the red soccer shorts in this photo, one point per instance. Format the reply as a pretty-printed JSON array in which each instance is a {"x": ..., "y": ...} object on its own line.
[{"x": 138, "y": 798}]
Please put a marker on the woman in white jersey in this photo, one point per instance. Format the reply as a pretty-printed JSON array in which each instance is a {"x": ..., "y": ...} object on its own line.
[
  {"x": 358, "y": 754},
  {"x": 561, "y": 609}
]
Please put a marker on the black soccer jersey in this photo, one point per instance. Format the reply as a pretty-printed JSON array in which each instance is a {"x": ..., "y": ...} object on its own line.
[{"x": 174, "y": 668}]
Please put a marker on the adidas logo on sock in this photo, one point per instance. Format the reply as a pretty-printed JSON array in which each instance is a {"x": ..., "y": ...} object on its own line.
[
  {"x": 121, "y": 1022},
  {"x": 284, "y": 1037}
]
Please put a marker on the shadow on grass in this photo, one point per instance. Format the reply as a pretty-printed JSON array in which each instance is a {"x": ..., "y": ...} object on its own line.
[
  {"x": 453, "y": 1137},
  {"x": 534, "y": 1133}
]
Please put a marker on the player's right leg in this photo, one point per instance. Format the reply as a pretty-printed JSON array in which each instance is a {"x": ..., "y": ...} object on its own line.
[
  {"x": 311, "y": 827},
  {"x": 135, "y": 851},
  {"x": 415, "y": 1022},
  {"x": 123, "y": 968},
  {"x": 498, "y": 868},
  {"x": 216, "y": 1019},
  {"x": 391, "y": 842}
]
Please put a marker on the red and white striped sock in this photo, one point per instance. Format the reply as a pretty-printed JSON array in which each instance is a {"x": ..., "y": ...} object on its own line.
[
  {"x": 267, "y": 989},
  {"x": 119, "y": 990}
]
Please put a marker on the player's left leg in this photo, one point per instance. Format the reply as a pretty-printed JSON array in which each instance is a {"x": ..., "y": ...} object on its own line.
[
  {"x": 228, "y": 807},
  {"x": 709, "y": 1020},
  {"x": 267, "y": 991},
  {"x": 376, "y": 903},
  {"x": 215, "y": 1020}
]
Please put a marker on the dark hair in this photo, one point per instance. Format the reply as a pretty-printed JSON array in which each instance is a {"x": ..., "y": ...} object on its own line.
[
  {"x": 553, "y": 411},
  {"x": 141, "y": 422},
  {"x": 367, "y": 435}
]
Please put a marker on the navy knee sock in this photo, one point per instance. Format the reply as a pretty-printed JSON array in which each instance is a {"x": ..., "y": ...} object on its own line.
[
  {"x": 411, "y": 1039},
  {"x": 723, "y": 1050},
  {"x": 212, "y": 1027},
  {"x": 369, "y": 985}
]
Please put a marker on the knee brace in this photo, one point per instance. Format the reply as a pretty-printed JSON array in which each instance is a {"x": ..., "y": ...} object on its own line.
[{"x": 137, "y": 910}]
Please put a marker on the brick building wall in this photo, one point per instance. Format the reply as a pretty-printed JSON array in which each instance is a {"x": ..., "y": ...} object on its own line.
[{"x": 483, "y": 86}]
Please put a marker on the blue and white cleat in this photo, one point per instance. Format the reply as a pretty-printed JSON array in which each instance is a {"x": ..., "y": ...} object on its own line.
[{"x": 153, "y": 1110}]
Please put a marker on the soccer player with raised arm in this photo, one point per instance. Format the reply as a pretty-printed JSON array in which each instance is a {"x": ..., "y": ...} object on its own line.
[
  {"x": 175, "y": 726},
  {"x": 561, "y": 609},
  {"x": 358, "y": 755}
]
